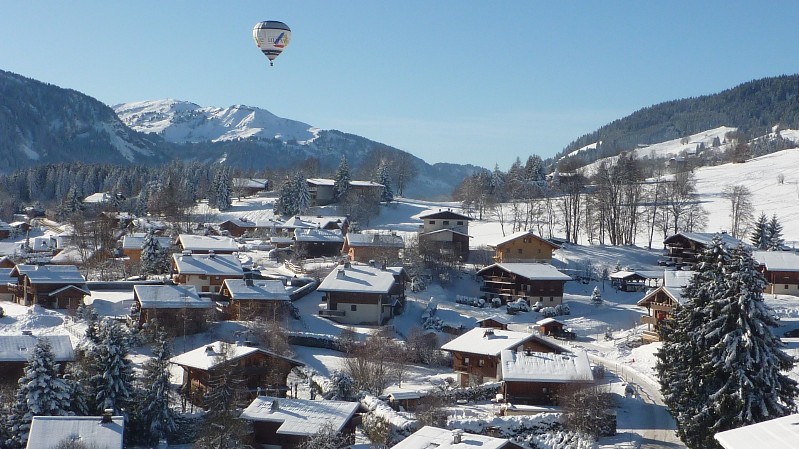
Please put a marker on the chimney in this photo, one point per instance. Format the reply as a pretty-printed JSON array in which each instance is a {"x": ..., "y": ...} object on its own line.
[
  {"x": 27, "y": 332},
  {"x": 340, "y": 273},
  {"x": 107, "y": 416},
  {"x": 211, "y": 253},
  {"x": 274, "y": 407},
  {"x": 488, "y": 333},
  {"x": 209, "y": 350},
  {"x": 456, "y": 436},
  {"x": 248, "y": 282}
]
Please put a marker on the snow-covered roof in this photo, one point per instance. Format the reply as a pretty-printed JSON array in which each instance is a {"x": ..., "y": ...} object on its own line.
[
  {"x": 777, "y": 260},
  {"x": 521, "y": 234},
  {"x": 429, "y": 437},
  {"x": 50, "y": 274},
  {"x": 252, "y": 183},
  {"x": 170, "y": 297},
  {"x": 96, "y": 198},
  {"x": 451, "y": 231},
  {"x": 523, "y": 366},
  {"x": 498, "y": 318},
  {"x": 211, "y": 264},
  {"x": 207, "y": 243},
  {"x": 777, "y": 433},
  {"x": 365, "y": 184},
  {"x": 372, "y": 239},
  {"x": 208, "y": 356},
  {"x": 240, "y": 222},
  {"x": 256, "y": 289},
  {"x": 359, "y": 278},
  {"x": 442, "y": 214},
  {"x": 545, "y": 321},
  {"x": 321, "y": 181},
  {"x": 47, "y": 431},
  {"x": 487, "y": 341},
  {"x": 622, "y": 274},
  {"x": 318, "y": 235},
  {"x": 136, "y": 241},
  {"x": 312, "y": 221},
  {"x": 18, "y": 348},
  {"x": 705, "y": 238},
  {"x": 300, "y": 417},
  {"x": 532, "y": 271}
]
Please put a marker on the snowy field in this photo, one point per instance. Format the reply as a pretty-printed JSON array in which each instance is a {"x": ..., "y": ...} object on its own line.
[{"x": 618, "y": 311}]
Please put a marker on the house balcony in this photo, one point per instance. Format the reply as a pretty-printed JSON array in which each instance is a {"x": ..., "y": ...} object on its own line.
[
  {"x": 646, "y": 319},
  {"x": 337, "y": 313},
  {"x": 498, "y": 291}
]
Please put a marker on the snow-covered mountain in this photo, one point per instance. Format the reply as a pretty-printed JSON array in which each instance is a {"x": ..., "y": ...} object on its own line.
[{"x": 185, "y": 122}]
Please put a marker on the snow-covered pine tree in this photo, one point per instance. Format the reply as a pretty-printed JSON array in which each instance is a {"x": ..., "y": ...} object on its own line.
[
  {"x": 223, "y": 184},
  {"x": 383, "y": 177},
  {"x": 113, "y": 379},
  {"x": 41, "y": 393},
  {"x": 721, "y": 367},
  {"x": 341, "y": 182},
  {"x": 759, "y": 236},
  {"x": 155, "y": 413},
  {"x": 596, "y": 297},
  {"x": 286, "y": 202},
  {"x": 774, "y": 234},
  {"x": 302, "y": 195},
  {"x": 154, "y": 258},
  {"x": 76, "y": 379}
]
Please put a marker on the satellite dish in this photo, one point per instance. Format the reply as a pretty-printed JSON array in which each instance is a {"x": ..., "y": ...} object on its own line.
[{"x": 271, "y": 37}]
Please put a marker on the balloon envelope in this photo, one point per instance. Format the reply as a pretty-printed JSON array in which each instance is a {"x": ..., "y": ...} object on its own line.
[{"x": 271, "y": 37}]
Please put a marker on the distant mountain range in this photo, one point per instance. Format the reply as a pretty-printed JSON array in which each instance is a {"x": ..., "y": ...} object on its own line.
[{"x": 45, "y": 124}]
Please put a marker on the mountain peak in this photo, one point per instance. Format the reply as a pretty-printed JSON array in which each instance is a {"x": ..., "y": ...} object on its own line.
[{"x": 185, "y": 122}]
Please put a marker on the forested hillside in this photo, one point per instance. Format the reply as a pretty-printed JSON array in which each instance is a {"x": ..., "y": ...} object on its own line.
[{"x": 754, "y": 108}]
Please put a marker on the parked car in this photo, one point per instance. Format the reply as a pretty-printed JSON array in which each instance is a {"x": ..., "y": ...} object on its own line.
[{"x": 564, "y": 334}]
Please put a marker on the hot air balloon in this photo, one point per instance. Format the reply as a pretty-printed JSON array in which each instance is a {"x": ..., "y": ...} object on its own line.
[{"x": 271, "y": 37}]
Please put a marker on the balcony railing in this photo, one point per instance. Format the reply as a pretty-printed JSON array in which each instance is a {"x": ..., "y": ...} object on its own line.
[
  {"x": 646, "y": 319},
  {"x": 324, "y": 312}
]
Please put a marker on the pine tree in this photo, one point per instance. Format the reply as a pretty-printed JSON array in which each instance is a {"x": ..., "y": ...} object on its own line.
[
  {"x": 596, "y": 297},
  {"x": 154, "y": 258},
  {"x": 158, "y": 418},
  {"x": 113, "y": 381},
  {"x": 223, "y": 185},
  {"x": 286, "y": 203},
  {"x": 774, "y": 234},
  {"x": 41, "y": 393},
  {"x": 302, "y": 197},
  {"x": 383, "y": 177},
  {"x": 759, "y": 236},
  {"x": 721, "y": 367},
  {"x": 341, "y": 182}
]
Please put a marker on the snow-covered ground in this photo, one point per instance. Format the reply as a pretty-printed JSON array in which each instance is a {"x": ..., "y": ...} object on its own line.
[{"x": 618, "y": 311}]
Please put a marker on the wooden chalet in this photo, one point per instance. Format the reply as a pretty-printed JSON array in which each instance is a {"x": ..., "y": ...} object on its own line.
[
  {"x": 684, "y": 248},
  {"x": 261, "y": 370},
  {"x": 321, "y": 190},
  {"x": 661, "y": 302},
  {"x": 248, "y": 299},
  {"x": 132, "y": 245},
  {"x": 237, "y": 227},
  {"x": 328, "y": 222},
  {"x": 383, "y": 248},
  {"x": 781, "y": 270},
  {"x": 549, "y": 326},
  {"x": 289, "y": 423},
  {"x": 318, "y": 242},
  {"x": 176, "y": 309},
  {"x": 445, "y": 233},
  {"x": 16, "y": 350},
  {"x": 476, "y": 354},
  {"x": 635, "y": 281},
  {"x": 538, "y": 378},
  {"x": 532, "y": 282},
  {"x": 523, "y": 247},
  {"x": 494, "y": 322},
  {"x": 363, "y": 294},
  {"x": 50, "y": 286},
  {"x": 250, "y": 186},
  {"x": 206, "y": 272}
]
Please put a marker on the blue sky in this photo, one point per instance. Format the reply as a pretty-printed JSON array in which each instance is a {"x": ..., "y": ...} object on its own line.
[{"x": 457, "y": 81}]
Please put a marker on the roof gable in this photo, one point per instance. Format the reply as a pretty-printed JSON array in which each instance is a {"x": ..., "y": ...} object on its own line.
[
  {"x": 522, "y": 235},
  {"x": 443, "y": 214}
]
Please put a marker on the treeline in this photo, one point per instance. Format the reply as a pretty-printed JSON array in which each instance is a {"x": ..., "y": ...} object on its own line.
[
  {"x": 753, "y": 107},
  {"x": 615, "y": 205}
]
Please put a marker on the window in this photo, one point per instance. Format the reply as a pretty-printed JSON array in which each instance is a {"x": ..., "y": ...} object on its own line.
[
  {"x": 481, "y": 363},
  {"x": 786, "y": 287},
  {"x": 519, "y": 250},
  {"x": 333, "y": 306},
  {"x": 460, "y": 223},
  {"x": 446, "y": 223},
  {"x": 551, "y": 299},
  {"x": 466, "y": 360},
  {"x": 353, "y": 308},
  {"x": 432, "y": 222}
]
